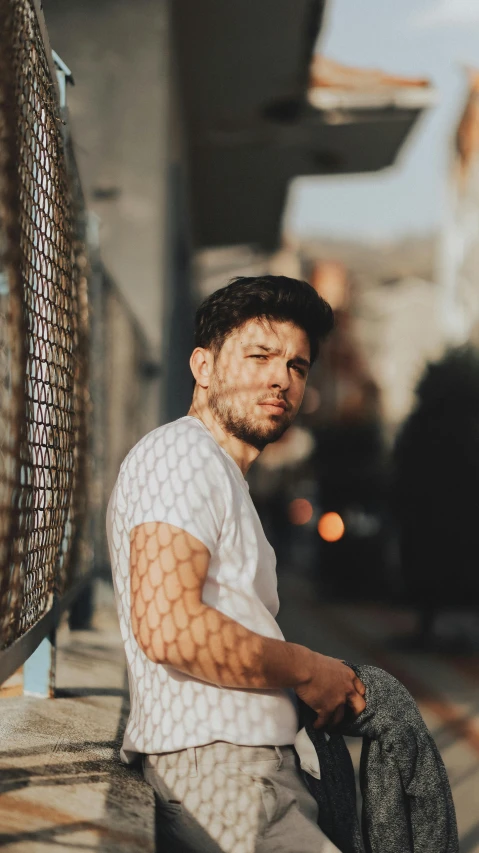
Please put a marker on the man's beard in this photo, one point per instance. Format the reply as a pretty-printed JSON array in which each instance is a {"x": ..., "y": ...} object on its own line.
[{"x": 221, "y": 402}]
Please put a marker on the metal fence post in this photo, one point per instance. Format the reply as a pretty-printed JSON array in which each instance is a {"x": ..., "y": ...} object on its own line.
[{"x": 40, "y": 668}]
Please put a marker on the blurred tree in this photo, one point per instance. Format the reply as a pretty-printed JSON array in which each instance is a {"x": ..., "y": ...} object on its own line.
[{"x": 436, "y": 487}]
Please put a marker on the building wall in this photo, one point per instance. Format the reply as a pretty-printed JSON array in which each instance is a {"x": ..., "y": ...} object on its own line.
[
  {"x": 118, "y": 53},
  {"x": 398, "y": 328},
  {"x": 127, "y": 126}
]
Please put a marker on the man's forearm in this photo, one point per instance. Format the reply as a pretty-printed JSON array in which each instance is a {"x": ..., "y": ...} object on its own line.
[{"x": 215, "y": 648}]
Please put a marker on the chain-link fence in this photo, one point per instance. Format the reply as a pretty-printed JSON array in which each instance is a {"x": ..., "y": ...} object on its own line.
[
  {"x": 53, "y": 490},
  {"x": 41, "y": 393}
]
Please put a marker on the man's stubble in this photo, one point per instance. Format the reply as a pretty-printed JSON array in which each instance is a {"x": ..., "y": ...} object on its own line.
[{"x": 221, "y": 401}]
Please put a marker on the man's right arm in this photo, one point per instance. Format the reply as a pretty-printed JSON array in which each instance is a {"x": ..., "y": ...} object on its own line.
[{"x": 173, "y": 626}]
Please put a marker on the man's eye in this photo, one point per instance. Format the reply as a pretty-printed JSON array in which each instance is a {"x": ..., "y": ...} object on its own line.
[
  {"x": 300, "y": 370},
  {"x": 259, "y": 356}
]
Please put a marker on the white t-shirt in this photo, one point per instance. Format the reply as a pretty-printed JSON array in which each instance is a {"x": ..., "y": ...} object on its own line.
[{"x": 179, "y": 474}]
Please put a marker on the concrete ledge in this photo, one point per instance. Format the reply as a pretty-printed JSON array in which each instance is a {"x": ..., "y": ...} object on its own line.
[{"x": 61, "y": 781}]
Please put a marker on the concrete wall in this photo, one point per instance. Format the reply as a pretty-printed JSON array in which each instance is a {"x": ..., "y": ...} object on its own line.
[
  {"x": 118, "y": 53},
  {"x": 127, "y": 126}
]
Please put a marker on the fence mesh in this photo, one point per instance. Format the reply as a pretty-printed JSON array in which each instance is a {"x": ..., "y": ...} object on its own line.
[
  {"x": 43, "y": 330},
  {"x": 76, "y": 388}
]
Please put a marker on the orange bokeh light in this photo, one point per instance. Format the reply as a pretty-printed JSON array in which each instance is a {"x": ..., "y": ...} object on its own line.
[
  {"x": 331, "y": 527},
  {"x": 300, "y": 511}
]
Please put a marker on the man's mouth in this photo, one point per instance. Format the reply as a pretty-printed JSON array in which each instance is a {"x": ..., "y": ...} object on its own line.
[{"x": 274, "y": 406}]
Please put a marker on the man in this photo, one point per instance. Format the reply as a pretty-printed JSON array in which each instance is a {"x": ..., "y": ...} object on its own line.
[{"x": 213, "y": 682}]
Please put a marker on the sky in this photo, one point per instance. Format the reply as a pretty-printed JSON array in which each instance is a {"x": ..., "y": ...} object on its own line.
[{"x": 426, "y": 38}]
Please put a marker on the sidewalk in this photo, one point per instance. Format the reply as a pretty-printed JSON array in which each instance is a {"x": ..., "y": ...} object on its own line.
[{"x": 63, "y": 787}]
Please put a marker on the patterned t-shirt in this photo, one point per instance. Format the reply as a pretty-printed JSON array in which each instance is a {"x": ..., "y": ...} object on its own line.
[{"x": 180, "y": 475}]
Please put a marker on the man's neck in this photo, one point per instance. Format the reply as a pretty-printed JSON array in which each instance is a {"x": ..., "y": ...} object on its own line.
[{"x": 243, "y": 454}]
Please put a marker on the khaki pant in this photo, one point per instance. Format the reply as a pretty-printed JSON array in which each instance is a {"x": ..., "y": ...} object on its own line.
[{"x": 222, "y": 798}]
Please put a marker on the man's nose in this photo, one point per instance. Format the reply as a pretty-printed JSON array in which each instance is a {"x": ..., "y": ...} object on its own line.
[{"x": 280, "y": 376}]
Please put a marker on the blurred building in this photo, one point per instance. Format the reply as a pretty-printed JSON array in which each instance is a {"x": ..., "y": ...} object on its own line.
[
  {"x": 191, "y": 119},
  {"x": 398, "y": 327},
  {"x": 459, "y": 261},
  {"x": 259, "y": 111},
  {"x": 388, "y": 324}
]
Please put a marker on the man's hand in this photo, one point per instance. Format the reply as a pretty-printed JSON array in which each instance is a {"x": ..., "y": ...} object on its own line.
[{"x": 329, "y": 688}]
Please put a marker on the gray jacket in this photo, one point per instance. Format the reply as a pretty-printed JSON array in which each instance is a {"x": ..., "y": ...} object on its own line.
[{"x": 407, "y": 801}]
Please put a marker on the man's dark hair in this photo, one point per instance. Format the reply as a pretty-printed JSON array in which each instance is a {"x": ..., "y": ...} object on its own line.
[{"x": 269, "y": 297}]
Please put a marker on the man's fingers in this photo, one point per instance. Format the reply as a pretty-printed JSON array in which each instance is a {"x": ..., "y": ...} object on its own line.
[
  {"x": 320, "y": 721},
  {"x": 338, "y": 716},
  {"x": 357, "y": 703},
  {"x": 329, "y": 721},
  {"x": 359, "y": 686}
]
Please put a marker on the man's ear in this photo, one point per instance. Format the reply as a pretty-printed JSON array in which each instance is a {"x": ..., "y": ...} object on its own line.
[{"x": 200, "y": 364}]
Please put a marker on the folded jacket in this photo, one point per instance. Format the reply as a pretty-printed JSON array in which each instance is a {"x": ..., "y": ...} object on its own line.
[{"x": 407, "y": 800}]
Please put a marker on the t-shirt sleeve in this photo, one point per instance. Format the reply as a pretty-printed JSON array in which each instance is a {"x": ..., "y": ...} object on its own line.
[{"x": 187, "y": 490}]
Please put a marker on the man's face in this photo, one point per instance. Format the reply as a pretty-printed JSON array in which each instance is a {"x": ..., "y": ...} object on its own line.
[{"x": 258, "y": 380}]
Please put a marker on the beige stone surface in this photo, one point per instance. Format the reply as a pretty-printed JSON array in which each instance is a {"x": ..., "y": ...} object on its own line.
[{"x": 62, "y": 785}]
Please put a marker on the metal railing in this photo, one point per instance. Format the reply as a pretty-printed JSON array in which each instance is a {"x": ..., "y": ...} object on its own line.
[
  {"x": 41, "y": 397},
  {"x": 70, "y": 395}
]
